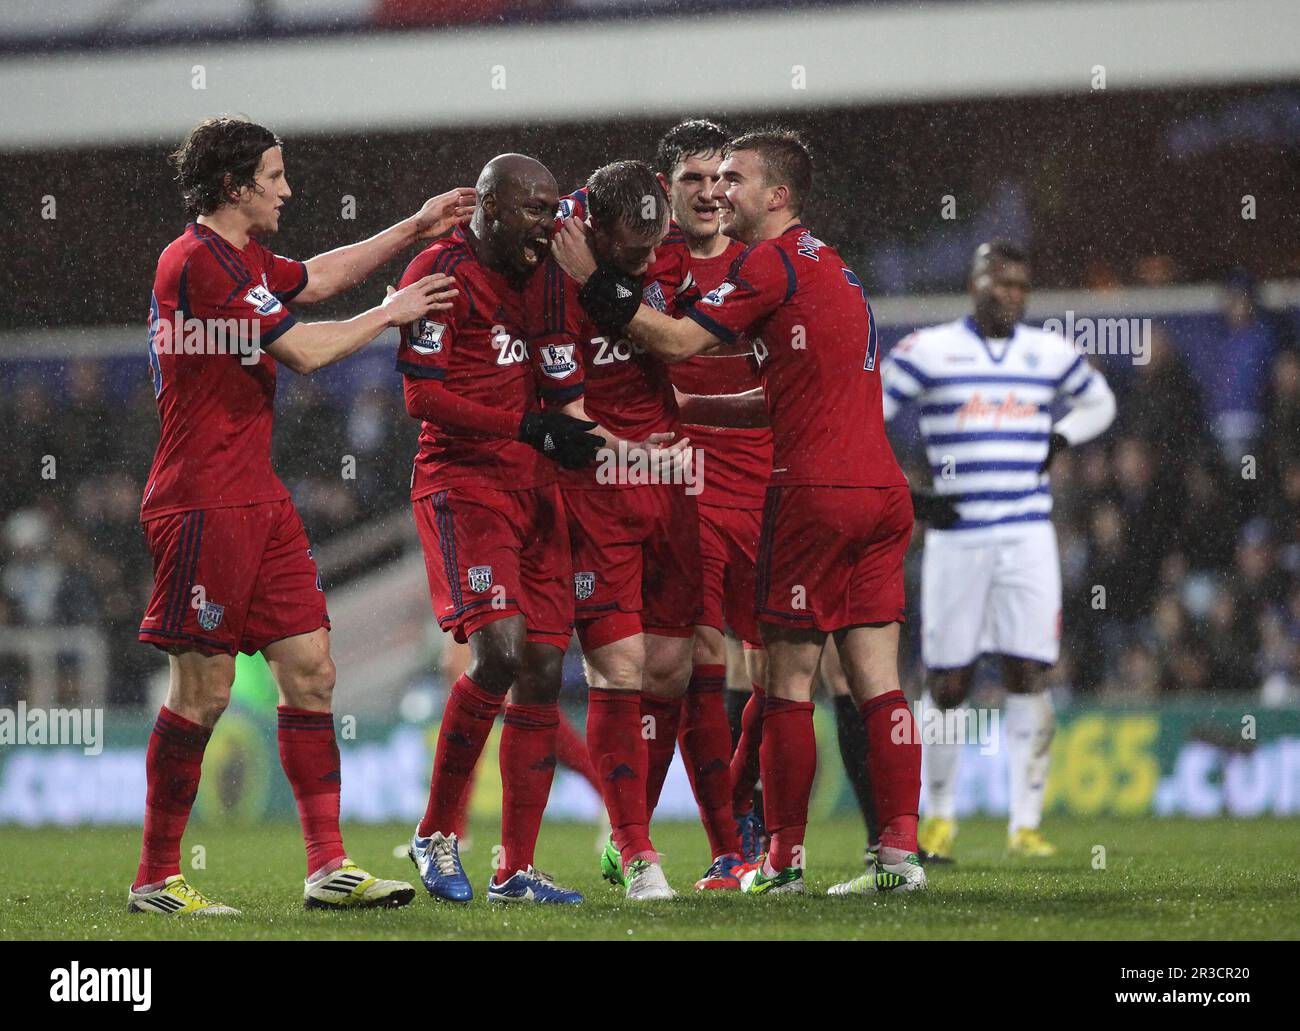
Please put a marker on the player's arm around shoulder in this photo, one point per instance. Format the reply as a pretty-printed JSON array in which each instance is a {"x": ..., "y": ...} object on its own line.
[
  {"x": 334, "y": 271},
  {"x": 307, "y": 347},
  {"x": 612, "y": 297}
]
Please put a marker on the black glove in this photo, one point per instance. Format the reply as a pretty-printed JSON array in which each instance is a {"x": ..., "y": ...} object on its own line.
[
  {"x": 611, "y": 297},
  {"x": 561, "y": 438},
  {"x": 1055, "y": 445},
  {"x": 939, "y": 510}
]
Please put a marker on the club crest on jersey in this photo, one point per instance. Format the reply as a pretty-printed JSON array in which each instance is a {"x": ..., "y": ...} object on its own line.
[
  {"x": 654, "y": 296},
  {"x": 480, "y": 578},
  {"x": 558, "y": 361},
  {"x": 427, "y": 338},
  {"x": 716, "y": 297},
  {"x": 263, "y": 301},
  {"x": 1031, "y": 359},
  {"x": 583, "y": 585},
  {"x": 210, "y": 616}
]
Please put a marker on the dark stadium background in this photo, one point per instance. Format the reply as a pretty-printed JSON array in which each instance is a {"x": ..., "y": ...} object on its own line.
[{"x": 1130, "y": 200}]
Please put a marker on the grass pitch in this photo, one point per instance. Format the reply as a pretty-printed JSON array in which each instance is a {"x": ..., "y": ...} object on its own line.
[{"x": 1163, "y": 879}]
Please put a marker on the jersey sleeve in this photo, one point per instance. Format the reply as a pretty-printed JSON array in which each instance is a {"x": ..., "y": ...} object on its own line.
[
  {"x": 553, "y": 322},
  {"x": 1087, "y": 395},
  {"x": 572, "y": 206},
  {"x": 901, "y": 380},
  {"x": 672, "y": 268},
  {"x": 425, "y": 346},
  {"x": 761, "y": 280},
  {"x": 214, "y": 284},
  {"x": 285, "y": 276}
]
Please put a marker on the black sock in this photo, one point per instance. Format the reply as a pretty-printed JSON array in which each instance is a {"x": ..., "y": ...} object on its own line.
[
  {"x": 736, "y": 701},
  {"x": 853, "y": 753}
]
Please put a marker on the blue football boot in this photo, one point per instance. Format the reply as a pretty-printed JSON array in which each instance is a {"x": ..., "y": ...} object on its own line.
[
  {"x": 531, "y": 886},
  {"x": 437, "y": 857}
]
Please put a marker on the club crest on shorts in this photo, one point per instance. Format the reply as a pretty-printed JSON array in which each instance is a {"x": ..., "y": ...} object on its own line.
[
  {"x": 210, "y": 615},
  {"x": 583, "y": 585},
  {"x": 480, "y": 578}
]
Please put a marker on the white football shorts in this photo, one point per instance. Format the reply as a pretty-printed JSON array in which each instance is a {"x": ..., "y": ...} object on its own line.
[{"x": 994, "y": 591}]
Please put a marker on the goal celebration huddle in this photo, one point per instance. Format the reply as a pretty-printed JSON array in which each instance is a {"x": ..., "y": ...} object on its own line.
[{"x": 673, "y": 314}]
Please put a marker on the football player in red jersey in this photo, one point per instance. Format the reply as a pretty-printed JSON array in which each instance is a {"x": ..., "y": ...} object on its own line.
[
  {"x": 837, "y": 516},
  {"x": 232, "y": 567},
  {"x": 490, "y": 519},
  {"x": 738, "y": 460},
  {"x": 635, "y": 538}
]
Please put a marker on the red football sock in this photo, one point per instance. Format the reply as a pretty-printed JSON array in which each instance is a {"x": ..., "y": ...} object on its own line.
[
  {"x": 310, "y": 757},
  {"x": 172, "y": 765},
  {"x": 460, "y": 814},
  {"x": 527, "y": 769},
  {"x": 744, "y": 763},
  {"x": 466, "y": 724},
  {"x": 705, "y": 739},
  {"x": 894, "y": 758},
  {"x": 667, "y": 714},
  {"x": 789, "y": 761},
  {"x": 572, "y": 752},
  {"x": 620, "y": 757}
]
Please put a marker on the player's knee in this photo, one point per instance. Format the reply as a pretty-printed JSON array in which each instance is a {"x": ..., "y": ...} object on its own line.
[
  {"x": 540, "y": 676},
  {"x": 1023, "y": 676},
  {"x": 947, "y": 687},
  {"x": 213, "y": 701},
  {"x": 497, "y": 656},
  {"x": 310, "y": 685},
  {"x": 618, "y": 670},
  {"x": 668, "y": 675},
  {"x": 710, "y": 647}
]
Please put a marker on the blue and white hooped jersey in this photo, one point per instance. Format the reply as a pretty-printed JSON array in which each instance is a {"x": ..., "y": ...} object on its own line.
[{"x": 986, "y": 413}]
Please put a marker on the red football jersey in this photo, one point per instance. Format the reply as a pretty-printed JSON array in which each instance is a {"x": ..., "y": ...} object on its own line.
[
  {"x": 816, "y": 345},
  {"x": 214, "y": 402},
  {"x": 478, "y": 350},
  {"x": 626, "y": 389},
  {"x": 737, "y": 461}
]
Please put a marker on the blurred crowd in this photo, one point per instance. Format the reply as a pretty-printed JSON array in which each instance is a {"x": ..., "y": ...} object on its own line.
[
  {"x": 73, "y": 551},
  {"x": 1179, "y": 528}
]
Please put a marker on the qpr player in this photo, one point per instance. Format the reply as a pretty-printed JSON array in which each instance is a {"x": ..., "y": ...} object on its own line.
[{"x": 990, "y": 573}]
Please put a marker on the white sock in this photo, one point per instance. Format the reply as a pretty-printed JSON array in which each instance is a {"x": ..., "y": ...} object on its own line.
[
  {"x": 939, "y": 762},
  {"x": 1030, "y": 725}
]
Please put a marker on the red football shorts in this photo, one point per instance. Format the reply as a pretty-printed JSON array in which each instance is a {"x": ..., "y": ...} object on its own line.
[
  {"x": 231, "y": 579},
  {"x": 728, "y": 555},
  {"x": 490, "y": 554},
  {"x": 636, "y": 561},
  {"x": 832, "y": 557}
]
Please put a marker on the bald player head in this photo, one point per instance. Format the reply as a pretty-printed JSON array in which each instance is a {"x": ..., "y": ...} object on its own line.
[
  {"x": 515, "y": 217},
  {"x": 999, "y": 286}
]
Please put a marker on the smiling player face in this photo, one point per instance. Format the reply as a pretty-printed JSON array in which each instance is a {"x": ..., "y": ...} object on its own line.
[
  {"x": 261, "y": 202},
  {"x": 525, "y": 220},
  {"x": 690, "y": 191},
  {"x": 742, "y": 196}
]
